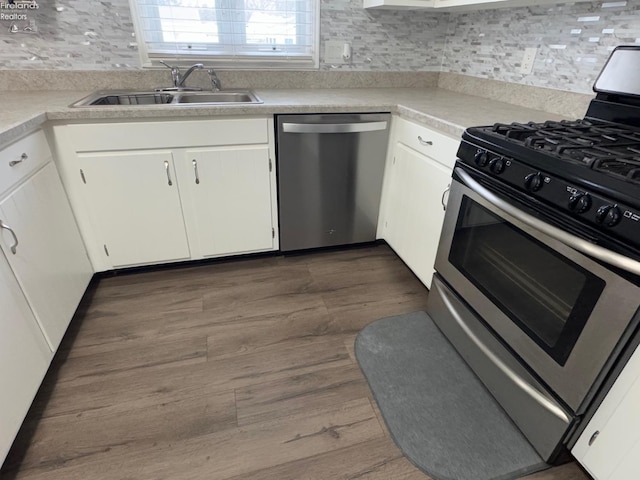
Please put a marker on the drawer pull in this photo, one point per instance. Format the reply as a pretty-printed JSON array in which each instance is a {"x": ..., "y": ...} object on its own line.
[
  {"x": 13, "y": 234},
  {"x": 195, "y": 171},
  {"x": 424, "y": 142},
  {"x": 166, "y": 168},
  {"x": 593, "y": 437},
  {"x": 23, "y": 157}
]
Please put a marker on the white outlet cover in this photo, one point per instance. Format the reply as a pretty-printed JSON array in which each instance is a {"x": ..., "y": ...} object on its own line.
[
  {"x": 333, "y": 51},
  {"x": 529, "y": 57}
]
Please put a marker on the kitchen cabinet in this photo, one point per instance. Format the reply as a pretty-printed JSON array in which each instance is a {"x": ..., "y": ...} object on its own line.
[
  {"x": 458, "y": 5},
  {"x": 44, "y": 247},
  {"x": 609, "y": 447},
  {"x": 165, "y": 191},
  {"x": 24, "y": 357},
  {"x": 44, "y": 271},
  {"x": 135, "y": 206},
  {"x": 417, "y": 177},
  {"x": 227, "y": 199}
]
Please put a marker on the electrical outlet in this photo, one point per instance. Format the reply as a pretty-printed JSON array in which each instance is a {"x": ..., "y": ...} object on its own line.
[
  {"x": 334, "y": 52},
  {"x": 526, "y": 66}
]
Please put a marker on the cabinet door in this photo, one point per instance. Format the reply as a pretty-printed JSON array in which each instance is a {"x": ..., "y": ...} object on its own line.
[
  {"x": 614, "y": 453},
  {"x": 413, "y": 209},
  {"x": 135, "y": 206},
  {"x": 50, "y": 260},
  {"x": 227, "y": 196},
  {"x": 24, "y": 357}
]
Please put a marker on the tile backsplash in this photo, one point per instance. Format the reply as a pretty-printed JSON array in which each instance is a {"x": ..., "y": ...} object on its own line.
[{"x": 573, "y": 40}]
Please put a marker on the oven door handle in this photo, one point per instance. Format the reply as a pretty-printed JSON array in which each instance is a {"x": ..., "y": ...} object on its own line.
[
  {"x": 533, "y": 392},
  {"x": 584, "y": 246}
]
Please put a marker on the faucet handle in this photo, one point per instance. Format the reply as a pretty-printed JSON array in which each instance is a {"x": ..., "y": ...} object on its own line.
[
  {"x": 175, "y": 73},
  {"x": 166, "y": 64},
  {"x": 216, "y": 84}
]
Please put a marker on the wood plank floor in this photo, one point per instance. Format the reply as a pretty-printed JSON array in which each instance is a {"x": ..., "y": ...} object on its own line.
[{"x": 241, "y": 369}]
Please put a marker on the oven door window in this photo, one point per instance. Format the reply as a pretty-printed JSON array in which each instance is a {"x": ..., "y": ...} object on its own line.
[{"x": 547, "y": 295}]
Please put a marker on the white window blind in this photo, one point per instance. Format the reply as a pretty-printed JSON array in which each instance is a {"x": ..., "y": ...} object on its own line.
[{"x": 233, "y": 31}]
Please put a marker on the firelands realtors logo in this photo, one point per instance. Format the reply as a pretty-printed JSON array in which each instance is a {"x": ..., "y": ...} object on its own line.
[{"x": 18, "y": 15}]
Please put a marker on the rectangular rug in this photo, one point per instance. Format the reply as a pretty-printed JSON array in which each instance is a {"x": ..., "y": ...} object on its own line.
[{"x": 438, "y": 412}]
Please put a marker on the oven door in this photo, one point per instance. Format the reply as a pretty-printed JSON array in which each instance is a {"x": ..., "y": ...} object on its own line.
[{"x": 561, "y": 312}]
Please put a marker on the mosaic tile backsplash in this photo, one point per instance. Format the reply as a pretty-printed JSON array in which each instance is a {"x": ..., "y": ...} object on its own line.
[{"x": 573, "y": 40}]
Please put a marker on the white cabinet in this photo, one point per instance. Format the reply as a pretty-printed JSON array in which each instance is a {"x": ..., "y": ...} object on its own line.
[
  {"x": 50, "y": 261},
  {"x": 44, "y": 271},
  {"x": 459, "y": 5},
  {"x": 24, "y": 357},
  {"x": 609, "y": 447},
  {"x": 226, "y": 193},
  {"x": 165, "y": 191},
  {"x": 135, "y": 206},
  {"x": 44, "y": 246},
  {"x": 417, "y": 177}
]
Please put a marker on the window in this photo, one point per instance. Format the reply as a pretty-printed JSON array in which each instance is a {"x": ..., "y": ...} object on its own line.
[{"x": 250, "y": 33}]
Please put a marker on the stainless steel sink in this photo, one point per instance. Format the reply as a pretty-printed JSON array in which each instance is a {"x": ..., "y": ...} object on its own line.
[
  {"x": 218, "y": 97},
  {"x": 128, "y": 98}
]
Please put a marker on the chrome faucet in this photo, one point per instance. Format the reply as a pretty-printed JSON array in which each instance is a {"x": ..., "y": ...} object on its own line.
[
  {"x": 178, "y": 79},
  {"x": 184, "y": 77}
]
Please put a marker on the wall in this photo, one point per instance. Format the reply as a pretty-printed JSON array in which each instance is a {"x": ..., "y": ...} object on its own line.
[
  {"x": 385, "y": 39},
  {"x": 82, "y": 35},
  {"x": 574, "y": 41},
  {"x": 90, "y": 35}
]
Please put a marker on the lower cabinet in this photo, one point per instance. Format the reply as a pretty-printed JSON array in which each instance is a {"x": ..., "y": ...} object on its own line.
[
  {"x": 49, "y": 260},
  {"x": 155, "y": 192},
  {"x": 24, "y": 357},
  {"x": 226, "y": 192},
  {"x": 135, "y": 206},
  {"x": 44, "y": 272},
  {"x": 417, "y": 177},
  {"x": 609, "y": 447}
]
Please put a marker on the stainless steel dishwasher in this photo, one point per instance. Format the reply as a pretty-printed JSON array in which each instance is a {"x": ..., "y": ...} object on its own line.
[{"x": 330, "y": 170}]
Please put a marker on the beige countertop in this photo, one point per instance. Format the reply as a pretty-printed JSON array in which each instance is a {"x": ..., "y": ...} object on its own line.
[{"x": 445, "y": 110}]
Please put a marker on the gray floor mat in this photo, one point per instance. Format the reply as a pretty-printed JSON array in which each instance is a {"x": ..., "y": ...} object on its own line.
[{"x": 439, "y": 413}]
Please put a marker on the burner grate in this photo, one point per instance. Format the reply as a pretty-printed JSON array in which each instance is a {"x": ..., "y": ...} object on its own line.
[{"x": 607, "y": 148}]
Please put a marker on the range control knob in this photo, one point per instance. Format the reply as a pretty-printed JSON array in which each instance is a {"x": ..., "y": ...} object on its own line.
[
  {"x": 533, "y": 181},
  {"x": 497, "y": 165},
  {"x": 609, "y": 215},
  {"x": 481, "y": 158},
  {"x": 580, "y": 202}
]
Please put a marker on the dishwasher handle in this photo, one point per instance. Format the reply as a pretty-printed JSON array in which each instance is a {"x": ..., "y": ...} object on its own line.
[{"x": 352, "y": 127}]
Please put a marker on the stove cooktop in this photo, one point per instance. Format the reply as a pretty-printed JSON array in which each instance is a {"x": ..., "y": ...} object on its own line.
[{"x": 610, "y": 149}]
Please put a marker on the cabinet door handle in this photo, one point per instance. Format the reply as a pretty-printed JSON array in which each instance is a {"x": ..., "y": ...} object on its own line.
[
  {"x": 445, "y": 194},
  {"x": 13, "y": 234},
  {"x": 593, "y": 437},
  {"x": 195, "y": 171},
  {"x": 166, "y": 168},
  {"x": 424, "y": 142},
  {"x": 23, "y": 157}
]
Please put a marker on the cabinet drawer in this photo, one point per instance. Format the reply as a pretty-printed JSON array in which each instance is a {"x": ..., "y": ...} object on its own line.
[
  {"x": 429, "y": 142},
  {"x": 21, "y": 158}
]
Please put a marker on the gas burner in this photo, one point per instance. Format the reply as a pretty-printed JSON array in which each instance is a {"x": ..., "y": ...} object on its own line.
[{"x": 605, "y": 147}]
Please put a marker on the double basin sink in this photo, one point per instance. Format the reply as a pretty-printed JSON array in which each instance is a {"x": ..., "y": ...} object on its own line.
[{"x": 111, "y": 98}]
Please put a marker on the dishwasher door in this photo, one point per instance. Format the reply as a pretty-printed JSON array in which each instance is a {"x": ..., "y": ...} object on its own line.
[{"x": 330, "y": 170}]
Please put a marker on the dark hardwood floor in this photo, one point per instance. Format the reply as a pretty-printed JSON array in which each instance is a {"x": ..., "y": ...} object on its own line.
[{"x": 241, "y": 369}]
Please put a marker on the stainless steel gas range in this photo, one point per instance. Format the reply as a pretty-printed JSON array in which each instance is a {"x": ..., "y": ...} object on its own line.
[{"x": 537, "y": 280}]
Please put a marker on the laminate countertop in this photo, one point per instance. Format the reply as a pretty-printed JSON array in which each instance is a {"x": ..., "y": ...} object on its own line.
[{"x": 448, "y": 111}]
